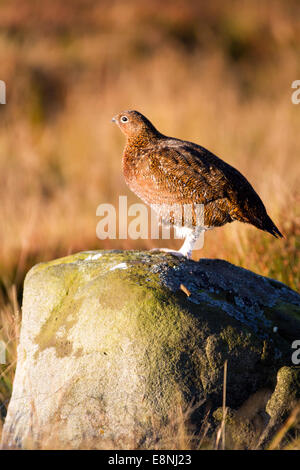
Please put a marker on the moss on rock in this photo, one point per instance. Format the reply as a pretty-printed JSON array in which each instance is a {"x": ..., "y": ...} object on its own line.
[
  {"x": 109, "y": 338},
  {"x": 286, "y": 394}
]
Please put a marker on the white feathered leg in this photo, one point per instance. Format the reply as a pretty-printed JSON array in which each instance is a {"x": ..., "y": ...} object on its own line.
[
  {"x": 191, "y": 237},
  {"x": 189, "y": 242}
]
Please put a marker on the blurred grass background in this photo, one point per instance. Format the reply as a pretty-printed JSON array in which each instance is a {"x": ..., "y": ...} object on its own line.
[{"x": 217, "y": 73}]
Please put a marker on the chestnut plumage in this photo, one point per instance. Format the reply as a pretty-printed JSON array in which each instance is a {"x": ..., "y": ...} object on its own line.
[{"x": 163, "y": 170}]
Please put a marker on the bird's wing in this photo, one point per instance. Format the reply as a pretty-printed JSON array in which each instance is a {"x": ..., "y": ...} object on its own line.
[
  {"x": 183, "y": 174},
  {"x": 179, "y": 172}
]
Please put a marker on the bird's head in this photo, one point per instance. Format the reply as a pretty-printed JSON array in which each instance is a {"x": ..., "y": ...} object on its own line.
[{"x": 133, "y": 124}]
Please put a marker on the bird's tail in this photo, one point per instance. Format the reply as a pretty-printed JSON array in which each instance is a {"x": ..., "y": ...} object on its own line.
[{"x": 268, "y": 225}]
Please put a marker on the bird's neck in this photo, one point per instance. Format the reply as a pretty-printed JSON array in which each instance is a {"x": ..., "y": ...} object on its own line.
[{"x": 143, "y": 139}]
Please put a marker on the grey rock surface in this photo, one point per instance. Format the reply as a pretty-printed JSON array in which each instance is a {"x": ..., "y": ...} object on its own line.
[{"x": 111, "y": 341}]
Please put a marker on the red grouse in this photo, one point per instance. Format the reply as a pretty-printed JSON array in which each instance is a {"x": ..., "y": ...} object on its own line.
[{"x": 165, "y": 171}]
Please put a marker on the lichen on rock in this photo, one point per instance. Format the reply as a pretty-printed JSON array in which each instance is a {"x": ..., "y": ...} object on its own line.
[{"x": 110, "y": 337}]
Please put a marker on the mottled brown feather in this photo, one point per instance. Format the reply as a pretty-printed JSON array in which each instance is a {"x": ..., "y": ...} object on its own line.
[{"x": 165, "y": 170}]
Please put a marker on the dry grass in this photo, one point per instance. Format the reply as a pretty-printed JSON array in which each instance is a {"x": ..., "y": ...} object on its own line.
[{"x": 212, "y": 74}]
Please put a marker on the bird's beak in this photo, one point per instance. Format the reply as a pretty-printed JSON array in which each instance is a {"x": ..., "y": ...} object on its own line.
[{"x": 114, "y": 119}]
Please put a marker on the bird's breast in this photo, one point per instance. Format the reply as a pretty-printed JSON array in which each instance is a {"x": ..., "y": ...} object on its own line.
[
  {"x": 130, "y": 167},
  {"x": 133, "y": 174}
]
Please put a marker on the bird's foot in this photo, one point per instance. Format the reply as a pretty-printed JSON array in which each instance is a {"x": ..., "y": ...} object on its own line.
[{"x": 171, "y": 252}]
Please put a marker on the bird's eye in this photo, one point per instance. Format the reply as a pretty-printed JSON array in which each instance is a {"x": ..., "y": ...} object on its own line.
[{"x": 124, "y": 118}]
